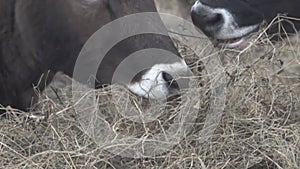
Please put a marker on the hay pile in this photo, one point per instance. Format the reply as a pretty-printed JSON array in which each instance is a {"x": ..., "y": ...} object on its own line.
[{"x": 259, "y": 126}]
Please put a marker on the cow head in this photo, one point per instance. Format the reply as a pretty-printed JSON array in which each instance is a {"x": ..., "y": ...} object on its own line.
[
  {"x": 49, "y": 35},
  {"x": 229, "y": 22}
]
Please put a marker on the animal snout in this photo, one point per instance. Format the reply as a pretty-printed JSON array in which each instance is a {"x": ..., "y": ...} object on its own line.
[{"x": 208, "y": 20}]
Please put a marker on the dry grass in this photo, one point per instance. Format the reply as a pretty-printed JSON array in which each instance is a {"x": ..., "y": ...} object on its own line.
[{"x": 259, "y": 127}]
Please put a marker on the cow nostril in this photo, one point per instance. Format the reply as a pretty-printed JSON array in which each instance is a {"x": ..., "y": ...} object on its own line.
[
  {"x": 208, "y": 21},
  {"x": 170, "y": 80},
  {"x": 167, "y": 77},
  {"x": 214, "y": 19}
]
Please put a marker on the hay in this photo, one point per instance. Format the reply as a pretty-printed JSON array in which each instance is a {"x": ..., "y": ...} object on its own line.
[{"x": 259, "y": 127}]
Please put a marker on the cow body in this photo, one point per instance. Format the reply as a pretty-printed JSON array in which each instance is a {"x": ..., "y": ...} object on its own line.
[
  {"x": 42, "y": 35},
  {"x": 229, "y": 22}
]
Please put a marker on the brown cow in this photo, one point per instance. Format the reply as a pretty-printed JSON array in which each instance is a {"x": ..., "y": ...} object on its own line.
[{"x": 41, "y": 35}]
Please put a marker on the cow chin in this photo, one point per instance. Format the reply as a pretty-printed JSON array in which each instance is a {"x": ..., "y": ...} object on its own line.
[{"x": 154, "y": 85}]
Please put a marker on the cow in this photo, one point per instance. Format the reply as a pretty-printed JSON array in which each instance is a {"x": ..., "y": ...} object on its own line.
[
  {"x": 230, "y": 22},
  {"x": 42, "y": 36}
]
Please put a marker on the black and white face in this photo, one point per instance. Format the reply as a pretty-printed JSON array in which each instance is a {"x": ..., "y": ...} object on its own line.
[
  {"x": 230, "y": 22},
  {"x": 158, "y": 82}
]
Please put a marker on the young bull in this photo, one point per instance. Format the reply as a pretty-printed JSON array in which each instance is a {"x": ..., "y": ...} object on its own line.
[
  {"x": 41, "y": 35},
  {"x": 229, "y": 22}
]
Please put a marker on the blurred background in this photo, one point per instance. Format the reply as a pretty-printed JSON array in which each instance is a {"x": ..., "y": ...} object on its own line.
[{"x": 180, "y": 8}]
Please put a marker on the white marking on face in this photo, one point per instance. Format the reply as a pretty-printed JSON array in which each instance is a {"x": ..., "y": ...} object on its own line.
[
  {"x": 153, "y": 85},
  {"x": 230, "y": 28},
  {"x": 195, "y": 5}
]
